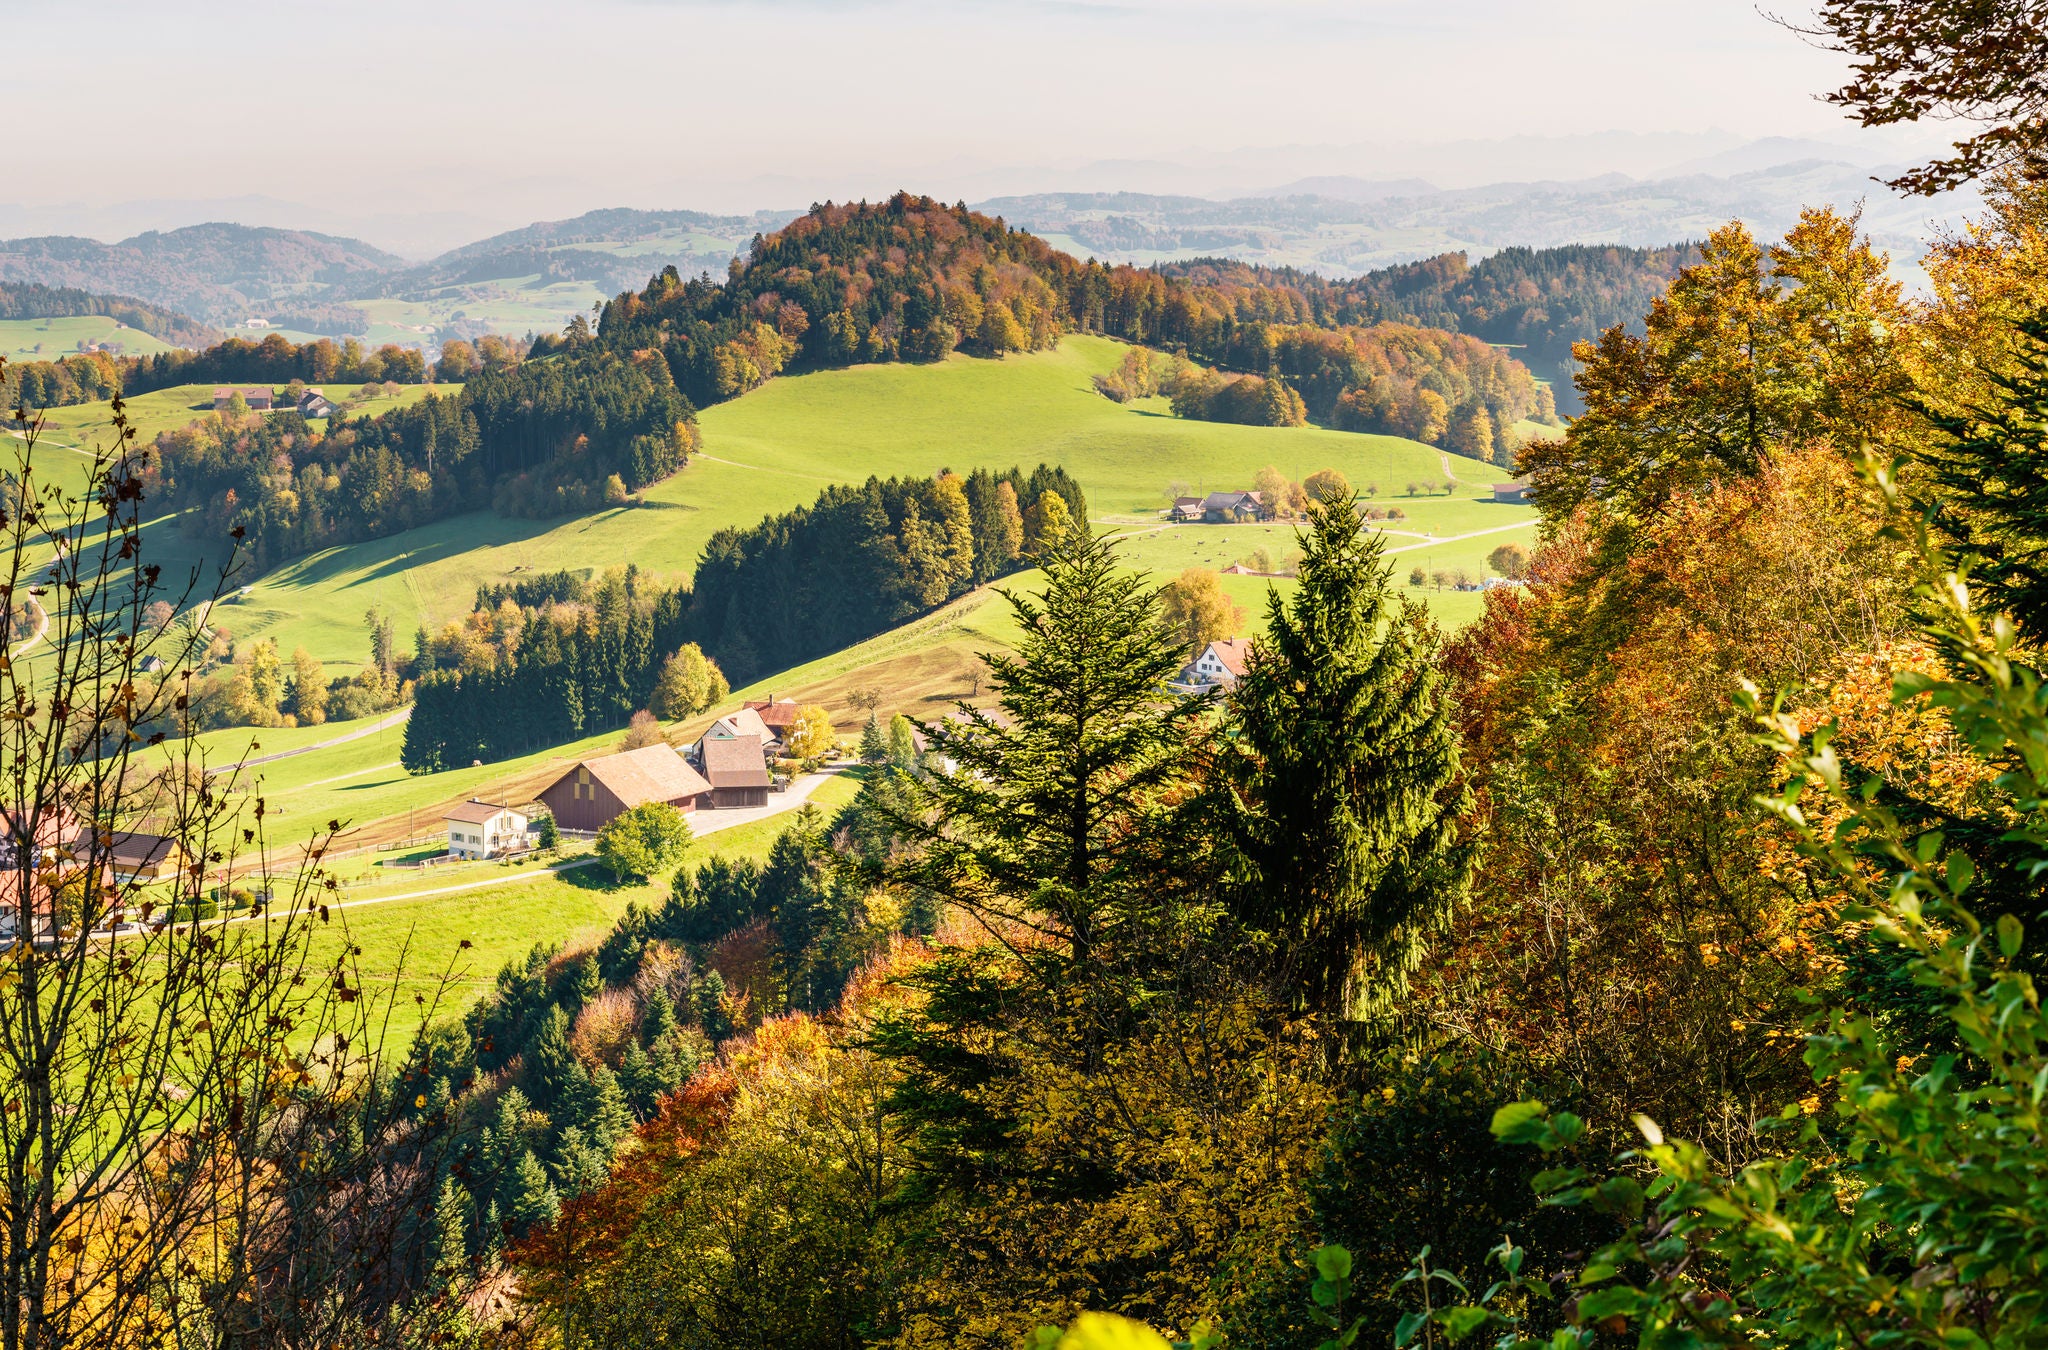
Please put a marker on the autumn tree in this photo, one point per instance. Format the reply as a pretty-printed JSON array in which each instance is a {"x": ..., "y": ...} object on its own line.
[
  {"x": 308, "y": 688},
  {"x": 1950, "y": 60},
  {"x": 811, "y": 737},
  {"x": 1194, "y": 608},
  {"x": 1510, "y": 561},
  {"x": 642, "y": 730},
  {"x": 689, "y": 683},
  {"x": 1046, "y": 524},
  {"x": 1326, "y": 485}
]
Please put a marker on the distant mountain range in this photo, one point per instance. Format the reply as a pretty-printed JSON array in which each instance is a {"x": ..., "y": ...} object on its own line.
[{"x": 537, "y": 277}]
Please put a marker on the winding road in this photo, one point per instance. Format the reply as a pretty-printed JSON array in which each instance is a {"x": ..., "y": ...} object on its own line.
[{"x": 381, "y": 724}]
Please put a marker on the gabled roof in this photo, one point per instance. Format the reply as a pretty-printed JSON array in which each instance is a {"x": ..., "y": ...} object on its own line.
[
  {"x": 735, "y": 761},
  {"x": 474, "y": 812},
  {"x": 778, "y": 715},
  {"x": 1230, "y": 653},
  {"x": 128, "y": 848},
  {"x": 746, "y": 722},
  {"x": 653, "y": 773},
  {"x": 1228, "y": 501}
]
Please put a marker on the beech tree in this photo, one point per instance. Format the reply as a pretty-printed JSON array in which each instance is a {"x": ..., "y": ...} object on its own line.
[{"x": 1194, "y": 608}]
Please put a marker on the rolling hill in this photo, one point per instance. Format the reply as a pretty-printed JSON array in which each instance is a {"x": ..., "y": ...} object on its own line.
[{"x": 774, "y": 449}]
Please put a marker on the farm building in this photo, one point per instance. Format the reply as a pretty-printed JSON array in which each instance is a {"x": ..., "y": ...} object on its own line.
[
  {"x": 484, "y": 830},
  {"x": 1226, "y": 508},
  {"x": 746, "y": 722},
  {"x": 736, "y": 769},
  {"x": 135, "y": 856},
  {"x": 1186, "y": 508},
  {"x": 778, "y": 715},
  {"x": 1517, "y": 491},
  {"x": 259, "y": 400},
  {"x": 1218, "y": 666},
  {"x": 315, "y": 403},
  {"x": 589, "y": 795}
]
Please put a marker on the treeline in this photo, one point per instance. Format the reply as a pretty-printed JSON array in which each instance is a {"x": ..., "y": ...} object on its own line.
[
  {"x": 552, "y": 658},
  {"x": 1541, "y": 300},
  {"x": 28, "y": 300},
  {"x": 864, "y": 558},
  {"x": 535, "y": 677},
  {"x": 913, "y": 279},
  {"x": 533, "y": 439},
  {"x": 94, "y": 376}
]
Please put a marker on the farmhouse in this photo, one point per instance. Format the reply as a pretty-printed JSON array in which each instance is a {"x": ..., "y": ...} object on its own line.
[
  {"x": 590, "y": 795},
  {"x": 479, "y": 829},
  {"x": 259, "y": 400},
  {"x": 314, "y": 403},
  {"x": 1218, "y": 666},
  {"x": 28, "y": 838},
  {"x": 737, "y": 770},
  {"x": 778, "y": 715},
  {"x": 1517, "y": 491},
  {"x": 748, "y": 721},
  {"x": 135, "y": 856},
  {"x": 1186, "y": 508},
  {"x": 1224, "y": 508}
]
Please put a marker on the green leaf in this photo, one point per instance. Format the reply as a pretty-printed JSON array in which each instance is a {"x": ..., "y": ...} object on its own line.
[
  {"x": 1520, "y": 1122},
  {"x": 1334, "y": 1262},
  {"x": 2010, "y": 931},
  {"x": 1961, "y": 872},
  {"x": 1405, "y": 1329},
  {"x": 1458, "y": 1323}
]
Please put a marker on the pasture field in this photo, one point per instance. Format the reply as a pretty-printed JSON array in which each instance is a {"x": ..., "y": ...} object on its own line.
[
  {"x": 778, "y": 446},
  {"x": 55, "y": 338}
]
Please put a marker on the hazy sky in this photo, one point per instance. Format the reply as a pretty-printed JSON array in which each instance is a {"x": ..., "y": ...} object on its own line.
[{"x": 515, "y": 109}]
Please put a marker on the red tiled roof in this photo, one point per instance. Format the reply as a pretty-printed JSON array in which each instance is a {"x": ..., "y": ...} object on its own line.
[{"x": 779, "y": 715}]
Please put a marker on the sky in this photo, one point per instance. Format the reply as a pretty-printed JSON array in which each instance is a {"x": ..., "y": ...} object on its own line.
[{"x": 465, "y": 116}]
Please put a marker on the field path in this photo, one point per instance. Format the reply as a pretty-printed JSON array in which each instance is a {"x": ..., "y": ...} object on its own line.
[
  {"x": 42, "y": 629},
  {"x": 756, "y": 468},
  {"x": 381, "y": 724},
  {"x": 1455, "y": 538}
]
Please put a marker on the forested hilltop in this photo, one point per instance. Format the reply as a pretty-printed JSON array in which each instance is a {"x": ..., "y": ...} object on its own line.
[
  {"x": 1540, "y": 300},
  {"x": 913, "y": 279}
]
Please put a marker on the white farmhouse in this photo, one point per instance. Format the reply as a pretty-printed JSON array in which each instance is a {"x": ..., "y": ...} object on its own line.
[
  {"x": 1218, "y": 666},
  {"x": 484, "y": 830}
]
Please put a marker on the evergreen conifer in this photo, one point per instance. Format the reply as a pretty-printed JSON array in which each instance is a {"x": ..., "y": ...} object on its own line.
[{"x": 1342, "y": 765}]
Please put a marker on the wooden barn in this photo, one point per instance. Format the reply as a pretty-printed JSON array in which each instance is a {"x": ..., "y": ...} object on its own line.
[{"x": 589, "y": 795}]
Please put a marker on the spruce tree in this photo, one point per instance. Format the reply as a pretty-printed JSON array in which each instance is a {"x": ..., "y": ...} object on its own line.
[
  {"x": 1992, "y": 463},
  {"x": 448, "y": 1249},
  {"x": 533, "y": 1199},
  {"x": 1051, "y": 815},
  {"x": 657, "y": 1017},
  {"x": 1341, "y": 770},
  {"x": 873, "y": 747},
  {"x": 710, "y": 994}
]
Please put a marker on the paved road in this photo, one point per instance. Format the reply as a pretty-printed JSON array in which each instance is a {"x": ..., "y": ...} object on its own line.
[{"x": 381, "y": 724}]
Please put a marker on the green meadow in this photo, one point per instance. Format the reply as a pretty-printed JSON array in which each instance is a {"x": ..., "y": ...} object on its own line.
[
  {"x": 53, "y": 339},
  {"x": 777, "y": 447}
]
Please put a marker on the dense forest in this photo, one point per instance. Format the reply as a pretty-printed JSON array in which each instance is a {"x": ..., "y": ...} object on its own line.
[
  {"x": 1539, "y": 301},
  {"x": 528, "y": 438},
  {"x": 554, "y": 659}
]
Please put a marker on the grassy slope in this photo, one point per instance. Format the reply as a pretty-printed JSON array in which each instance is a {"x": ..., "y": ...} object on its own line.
[
  {"x": 775, "y": 448},
  {"x": 60, "y": 337}
]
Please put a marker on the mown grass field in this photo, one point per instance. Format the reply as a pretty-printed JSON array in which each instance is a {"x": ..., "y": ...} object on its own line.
[{"x": 55, "y": 338}]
